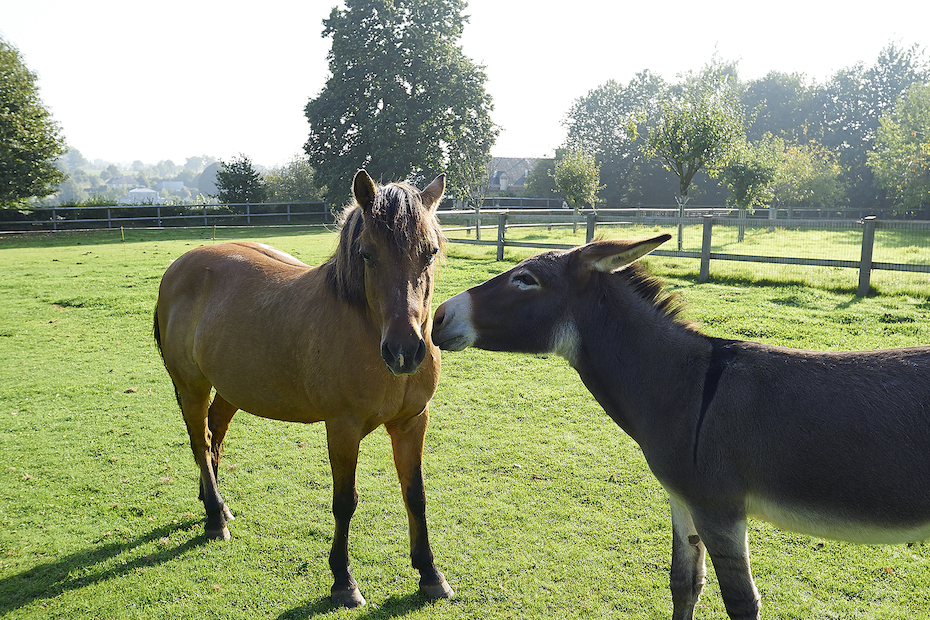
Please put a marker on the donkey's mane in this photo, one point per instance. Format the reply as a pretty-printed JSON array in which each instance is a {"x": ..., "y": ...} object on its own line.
[
  {"x": 397, "y": 216},
  {"x": 652, "y": 290}
]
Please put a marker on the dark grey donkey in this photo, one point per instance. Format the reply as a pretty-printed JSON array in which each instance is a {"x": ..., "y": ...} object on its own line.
[{"x": 835, "y": 445}]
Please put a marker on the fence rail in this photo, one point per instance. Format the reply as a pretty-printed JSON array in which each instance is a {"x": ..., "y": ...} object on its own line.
[
  {"x": 708, "y": 220},
  {"x": 500, "y": 220},
  {"x": 162, "y": 216}
]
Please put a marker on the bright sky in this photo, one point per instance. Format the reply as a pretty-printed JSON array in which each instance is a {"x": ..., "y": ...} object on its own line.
[{"x": 174, "y": 79}]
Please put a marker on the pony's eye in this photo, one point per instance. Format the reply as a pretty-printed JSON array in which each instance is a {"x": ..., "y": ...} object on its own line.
[
  {"x": 524, "y": 280},
  {"x": 430, "y": 255},
  {"x": 367, "y": 257}
]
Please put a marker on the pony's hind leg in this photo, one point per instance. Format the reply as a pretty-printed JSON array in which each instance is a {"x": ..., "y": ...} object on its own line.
[
  {"x": 194, "y": 407},
  {"x": 218, "y": 418},
  {"x": 407, "y": 441}
]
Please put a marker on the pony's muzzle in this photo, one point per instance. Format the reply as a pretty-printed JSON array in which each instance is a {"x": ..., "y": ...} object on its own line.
[{"x": 403, "y": 358}]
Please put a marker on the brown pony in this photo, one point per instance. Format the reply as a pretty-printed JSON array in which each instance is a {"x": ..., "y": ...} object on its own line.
[
  {"x": 346, "y": 343},
  {"x": 830, "y": 444}
]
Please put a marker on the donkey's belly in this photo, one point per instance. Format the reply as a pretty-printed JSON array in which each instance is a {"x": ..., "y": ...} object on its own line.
[{"x": 838, "y": 524}]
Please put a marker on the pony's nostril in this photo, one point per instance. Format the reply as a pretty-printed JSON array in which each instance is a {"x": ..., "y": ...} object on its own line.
[
  {"x": 440, "y": 316},
  {"x": 421, "y": 354}
]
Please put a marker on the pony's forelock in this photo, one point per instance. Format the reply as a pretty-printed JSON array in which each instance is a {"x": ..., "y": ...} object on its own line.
[{"x": 398, "y": 217}]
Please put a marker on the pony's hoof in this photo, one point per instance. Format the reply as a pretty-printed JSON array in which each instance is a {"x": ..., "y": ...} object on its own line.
[
  {"x": 437, "y": 590},
  {"x": 350, "y": 599},
  {"x": 222, "y": 534},
  {"x": 228, "y": 514}
]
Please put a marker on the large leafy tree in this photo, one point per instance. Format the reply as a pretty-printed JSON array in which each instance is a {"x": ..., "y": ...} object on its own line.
[
  {"x": 901, "y": 159},
  {"x": 239, "y": 182},
  {"x": 30, "y": 140},
  {"x": 402, "y": 100}
]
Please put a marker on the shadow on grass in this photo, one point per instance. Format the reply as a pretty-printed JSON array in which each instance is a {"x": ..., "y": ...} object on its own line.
[
  {"x": 49, "y": 580},
  {"x": 393, "y": 607}
]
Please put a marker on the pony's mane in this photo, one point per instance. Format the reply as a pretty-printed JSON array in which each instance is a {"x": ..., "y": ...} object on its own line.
[
  {"x": 652, "y": 290},
  {"x": 397, "y": 216}
]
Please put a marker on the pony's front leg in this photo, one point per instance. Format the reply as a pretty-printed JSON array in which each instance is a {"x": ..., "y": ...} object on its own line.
[
  {"x": 724, "y": 535},
  {"x": 407, "y": 441},
  {"x": 688, "y": 566},
  {"x": 343, "y": 459}
]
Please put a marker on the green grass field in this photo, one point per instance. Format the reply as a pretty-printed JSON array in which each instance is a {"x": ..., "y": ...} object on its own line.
[{"x": 539, "y": 506}]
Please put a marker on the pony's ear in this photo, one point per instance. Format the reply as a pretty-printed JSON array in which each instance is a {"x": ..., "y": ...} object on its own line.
[
  {"x": 433, "y": 192},
  {"x": 363, "y": 188},
  {"x": 614, "y": 254}
]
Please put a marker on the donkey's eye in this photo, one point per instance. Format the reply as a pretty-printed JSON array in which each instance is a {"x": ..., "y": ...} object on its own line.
[{"x": 524, "y": 280}]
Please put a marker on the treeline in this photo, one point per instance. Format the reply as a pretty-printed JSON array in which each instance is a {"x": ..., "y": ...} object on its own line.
[
  {"x": 200, "y": 180},
  {"x": 859, "y": 140}
]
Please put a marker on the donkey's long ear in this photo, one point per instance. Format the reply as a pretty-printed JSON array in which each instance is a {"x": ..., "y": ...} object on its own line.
[
  {"x": 611, "y": 255},
  {"x": 363, "y": 188},
  {"x": 433, "y": 192}
]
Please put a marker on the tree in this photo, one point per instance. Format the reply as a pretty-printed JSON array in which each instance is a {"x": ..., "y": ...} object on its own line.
[
  {"x": 576, "y": 175},
  {"x": 30, "y": 140},
  {"x": 402, "y": 100},
  {"x": 749, "y": 174},
  {"x": 847, "y": 109},
  {"x": 777, "y": 104},
  {"x": 239, "y": 182},
  {"x": 901, "y": 159},
  {"x": 293, "y": 182},
  {"x": 698, "y": 129},
  {"x": 808, "y": 175},
  {"x": 540, "y": 181},
  {"x": 600, "y": 123}
]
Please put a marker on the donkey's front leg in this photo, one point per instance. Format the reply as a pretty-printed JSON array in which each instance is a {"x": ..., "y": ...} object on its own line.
[
  {"x": 343, "y": 459},
  {"x": 724, "y": 535},
  {"x": 407, "y": 441},
  {"x": 688, "y": 568}
]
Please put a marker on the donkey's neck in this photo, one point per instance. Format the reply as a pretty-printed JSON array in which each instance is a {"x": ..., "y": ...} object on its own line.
[{"x": 645, "y": 368}]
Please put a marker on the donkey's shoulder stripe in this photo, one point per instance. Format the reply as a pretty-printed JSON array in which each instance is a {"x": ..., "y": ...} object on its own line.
[{"x": 721, "y": 354}]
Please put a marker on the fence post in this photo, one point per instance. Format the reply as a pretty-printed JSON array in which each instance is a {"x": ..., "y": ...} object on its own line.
[
  {"x": 478, "y": 222},
  {"x": 109, "y": 219},
  {"x": 705, "y": 249},
  {"x": 158, "y": 214},
  {"x": 865, "y": 262},
  {"x": 54, "y": 219},
  {"x": 501, "y": 233},
  {"x": 592, "y": 224},
  {"x": 248, "y": 214},
  {"x": 205, "y": 216}
]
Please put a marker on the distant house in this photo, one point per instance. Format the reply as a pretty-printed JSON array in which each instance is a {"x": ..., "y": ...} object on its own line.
[
  {"x": 142, "y": 196},
  {"x": 171, "y": 186},
  {"x": 508, "y": 174},
  {"x": 122, "y": 182}
]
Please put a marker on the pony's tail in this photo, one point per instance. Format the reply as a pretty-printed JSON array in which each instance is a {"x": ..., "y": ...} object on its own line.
[{"x": 156, "y": 332}]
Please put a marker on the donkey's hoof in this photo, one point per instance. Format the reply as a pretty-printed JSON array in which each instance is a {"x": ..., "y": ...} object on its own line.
[
  {"x": 350, "y": 598},
  {"x": 221, "y": 534},
  {"x": 437, "y": 590}
]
